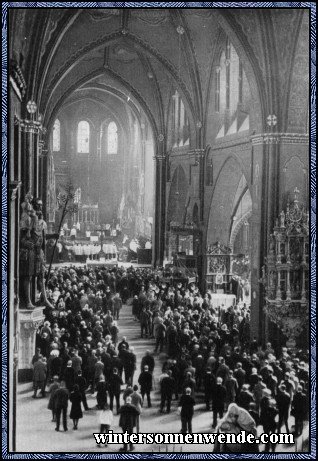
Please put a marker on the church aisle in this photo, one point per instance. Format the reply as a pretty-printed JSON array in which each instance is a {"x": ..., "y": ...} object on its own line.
[{"x": 35, "y": 431}]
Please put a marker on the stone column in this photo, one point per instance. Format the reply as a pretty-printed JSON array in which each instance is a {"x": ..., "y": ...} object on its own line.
[
  {"x": 288, "y": 292},
  {"x": 266, "y": 154},
  {"x": 13, "y": 307},
  {"x": 29, "y": 322},
  {"x": 43, "y": 176},
  {"x": 30, "y": 157},
  {"x": 160, "y": 208}
]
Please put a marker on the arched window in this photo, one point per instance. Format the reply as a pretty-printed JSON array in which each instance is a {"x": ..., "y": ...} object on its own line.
[
  {"x": 56, "y": 136},
  {"x": 83, "y": 137},
  {"x": 180, "y": 120},
  {"x": 112, "y": 139},
  {"x": 232, "y": 94}
]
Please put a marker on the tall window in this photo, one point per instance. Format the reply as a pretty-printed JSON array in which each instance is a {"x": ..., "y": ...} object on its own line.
[
  {"x": 181, "y": 123},
  {"x": 83, "y": 137},
  {"x": 228, "y": 72},
  {"x": 112, "y": 139},
  {"x": 217, "y": 89},
  {"x": 56, "y": 136},
  {"x": 240, "y": 83}
]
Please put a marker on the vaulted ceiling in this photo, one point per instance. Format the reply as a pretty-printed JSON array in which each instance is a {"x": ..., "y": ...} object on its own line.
[{"x": 141, "y": 56}]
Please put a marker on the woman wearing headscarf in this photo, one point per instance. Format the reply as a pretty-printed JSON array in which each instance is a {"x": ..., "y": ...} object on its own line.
[{"x": 235, "y": 420}]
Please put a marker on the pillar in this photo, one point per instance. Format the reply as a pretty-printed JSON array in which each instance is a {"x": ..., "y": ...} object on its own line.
[
  {"x": 30, "y": 157},
  {"x": 43, "y": 175},
  {"x": 29, "y": 322},
  {"x": 160, "y": 206}
]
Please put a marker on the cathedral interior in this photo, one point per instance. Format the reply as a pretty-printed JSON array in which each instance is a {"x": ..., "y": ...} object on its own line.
[{"x": 180, "y": 137}]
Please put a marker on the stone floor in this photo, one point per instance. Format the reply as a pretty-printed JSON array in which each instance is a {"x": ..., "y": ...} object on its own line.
[{"x": 35, "y": 431}]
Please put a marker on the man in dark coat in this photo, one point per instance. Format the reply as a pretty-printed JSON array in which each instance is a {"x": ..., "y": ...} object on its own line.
[
  {"x": 125, "y": 359},
  {"x": 69, "y": 376},
  {"x": 82, "y": 384},
  {"x": 115, "y": 383},
  {"x": 39, "y": 376},
  {"x": 218, "y": 401},
  {"x": 149, "y": 361},
  {"x": 118, "y": 304},
  {"x": 123, "y": 344},
  {"x": 127, "y": 420},
  {"x": 187, "y": 409},
  {"x": 131, "y": 366},
  {"x": 168, "y": 385},
  {"x": 144, "y": 317},
  {"x": 268, "y": 418},
  {"x": 209, "y": 385},
  {"x": 60, "y": 403},
  {"x": 299, "y": 410},
  {"x": 245, "y": 397},
  {"x": 283, "y": 401},
  {"x": 145, "y": 381},
  {"x": 160, "y": 333},
  {"x": 189, "y": 382}
]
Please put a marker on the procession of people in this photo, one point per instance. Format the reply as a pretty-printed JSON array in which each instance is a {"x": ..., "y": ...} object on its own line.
[{"x": 205, "y": 356}]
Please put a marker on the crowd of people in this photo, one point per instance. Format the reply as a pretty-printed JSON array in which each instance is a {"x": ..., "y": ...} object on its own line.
[{"x": 208, "y": 357}]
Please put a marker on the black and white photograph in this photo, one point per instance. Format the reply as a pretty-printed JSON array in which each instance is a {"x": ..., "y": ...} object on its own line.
[{"x": 158, "y": 229}]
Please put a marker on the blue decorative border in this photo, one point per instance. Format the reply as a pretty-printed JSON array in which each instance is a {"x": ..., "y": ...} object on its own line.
[{"x": 5, "y": 6}]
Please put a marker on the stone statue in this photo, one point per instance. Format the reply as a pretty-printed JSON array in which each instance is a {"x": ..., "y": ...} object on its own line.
[
  {"x": 32, "y": 249},
  {"x": 27, "y": 251},
  {"x": 40, "y": 231},
  {"x": 282, "y": 219}
]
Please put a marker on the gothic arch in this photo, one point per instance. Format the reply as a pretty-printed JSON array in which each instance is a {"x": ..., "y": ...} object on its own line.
[
  {"x": 178, "y": 196},
  {"x": 225, "y": 198},
  {"x": 96, "y": 73}
]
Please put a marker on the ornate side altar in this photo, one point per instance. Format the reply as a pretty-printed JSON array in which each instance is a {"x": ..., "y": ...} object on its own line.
[
  {"x": 285, "y": 274},
  {"x": 218, "y": 275}
]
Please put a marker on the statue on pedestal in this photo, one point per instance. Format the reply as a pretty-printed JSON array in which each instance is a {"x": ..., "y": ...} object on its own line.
[
  {"x": 27, "y": 252},
  {"x": 40, "y": 231},
  {"x": 32, "y": 250},
  {"x": 282, "y": 219}
]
